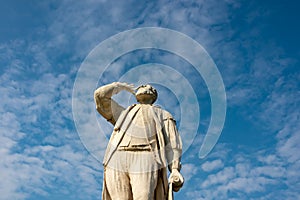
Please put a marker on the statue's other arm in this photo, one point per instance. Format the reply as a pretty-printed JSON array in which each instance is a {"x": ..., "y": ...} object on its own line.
[
  {"x": 175, "y": 144},
  {"x": 105, "y": 105},
  {"x": 174, "y": 151}
]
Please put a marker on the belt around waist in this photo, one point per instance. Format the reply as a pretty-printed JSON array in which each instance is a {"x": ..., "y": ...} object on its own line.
[{"x": 135, "y": 148}]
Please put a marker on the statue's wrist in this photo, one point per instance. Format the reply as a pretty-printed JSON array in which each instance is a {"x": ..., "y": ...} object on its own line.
[{"x": 176, "y": 165}]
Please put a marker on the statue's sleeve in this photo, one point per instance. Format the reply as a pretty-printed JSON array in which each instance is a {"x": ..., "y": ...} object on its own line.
[
  {"x": 174, "y": 144},
  {"x": 105, "y": 105}
]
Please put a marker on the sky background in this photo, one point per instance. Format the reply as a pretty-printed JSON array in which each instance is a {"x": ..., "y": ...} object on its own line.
[{"x": 254, "y": 44}]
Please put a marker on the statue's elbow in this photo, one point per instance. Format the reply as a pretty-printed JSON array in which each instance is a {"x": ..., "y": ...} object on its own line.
[{"x": 97, "y": 93}]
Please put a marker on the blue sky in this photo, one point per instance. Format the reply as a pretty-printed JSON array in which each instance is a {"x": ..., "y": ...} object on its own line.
[{"x": 254, "y": 44}]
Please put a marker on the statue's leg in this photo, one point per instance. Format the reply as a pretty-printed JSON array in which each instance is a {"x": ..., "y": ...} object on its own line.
[
  {"x": 118, "y": 184},
  {"x": 143, "y": 185},
  {"x": 143, "y": 175}
]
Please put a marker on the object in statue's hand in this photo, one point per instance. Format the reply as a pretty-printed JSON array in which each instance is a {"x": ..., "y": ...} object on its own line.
[{"x": 176, "y": 179}]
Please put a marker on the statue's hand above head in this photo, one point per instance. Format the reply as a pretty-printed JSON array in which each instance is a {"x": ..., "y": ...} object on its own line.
[
  {"x": 176, "y": 179},
  {"x": 124, "y": 86}
]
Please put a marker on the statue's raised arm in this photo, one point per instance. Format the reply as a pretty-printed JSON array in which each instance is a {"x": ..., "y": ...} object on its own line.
[{"x": 105, "y": 105}]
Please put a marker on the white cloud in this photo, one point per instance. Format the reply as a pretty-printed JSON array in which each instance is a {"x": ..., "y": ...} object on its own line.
[
  {"x": 221, "y": 177},
  {"x": 289, "y": 148},
  {"x": 33, "y": 110},
  {"x": 188, "y": 171},
  {"x": 269, "y": 171},
  {"x": 248, "y": 185},
  {"x": 209, "y": 166}
]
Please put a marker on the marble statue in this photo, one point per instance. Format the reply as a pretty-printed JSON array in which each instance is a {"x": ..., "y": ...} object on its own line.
[{"x": 144, "y": 143}]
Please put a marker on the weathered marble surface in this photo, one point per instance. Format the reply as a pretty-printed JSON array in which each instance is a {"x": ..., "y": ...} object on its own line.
[{"x": 144, "y": 143}]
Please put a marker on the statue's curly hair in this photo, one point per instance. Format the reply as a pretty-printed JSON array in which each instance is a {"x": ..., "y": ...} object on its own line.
[{"x": 152, "y": 89}]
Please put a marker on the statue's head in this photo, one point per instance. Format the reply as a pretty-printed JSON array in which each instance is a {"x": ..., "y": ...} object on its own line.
[{"x": 146, "y": 94}]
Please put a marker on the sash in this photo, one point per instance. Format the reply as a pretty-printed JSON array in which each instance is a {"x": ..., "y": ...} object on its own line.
[{"x": 120, "y": 128}]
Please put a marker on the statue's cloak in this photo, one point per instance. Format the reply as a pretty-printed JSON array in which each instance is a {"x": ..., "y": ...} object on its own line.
[{"x": 165, "y": 154}]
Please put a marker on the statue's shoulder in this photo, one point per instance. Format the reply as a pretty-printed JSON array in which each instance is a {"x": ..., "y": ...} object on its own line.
[
  {"x": 156, "y": 107},
  {"x": 165, "y": 114}
]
